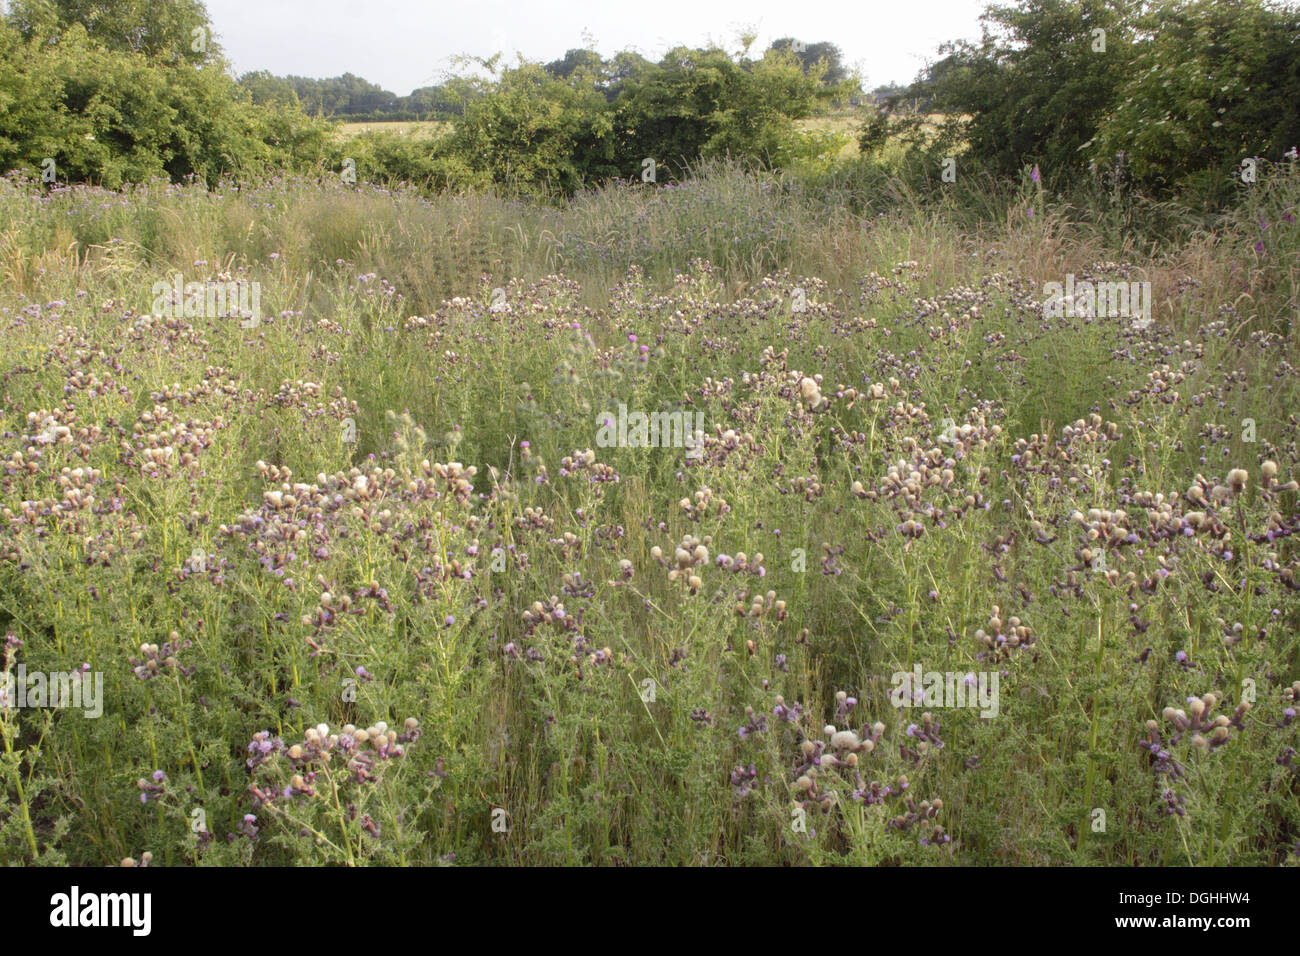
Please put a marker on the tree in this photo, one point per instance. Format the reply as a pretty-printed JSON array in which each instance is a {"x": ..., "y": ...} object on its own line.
[
  {"x": 264, "y": 89},
  {"x": 1212, "y": 82},
  {"x": 1035, "y": 88},
  {"x": 621, "y": 68},
  {"x": 169, "y": 30},
  {"x": 704, "y": 103},
  {"x": 811, "y": 54},
  {"x": 574, "y": 60},
  {"x": 535, "y": 131},
  {"x": 106, "y": 109}
]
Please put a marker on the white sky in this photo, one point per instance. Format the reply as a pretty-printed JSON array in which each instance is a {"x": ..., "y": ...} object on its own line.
[{"x": 404, "y": 44}]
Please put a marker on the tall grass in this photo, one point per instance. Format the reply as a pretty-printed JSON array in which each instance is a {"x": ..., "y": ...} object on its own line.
[{"x": 625, "y": 655}]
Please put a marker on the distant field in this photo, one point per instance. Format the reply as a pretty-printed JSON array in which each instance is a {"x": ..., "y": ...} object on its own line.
[
  {"x": 429, "y": 129},
  {"x": 845, "y": 122},
  {"x": 837, "y": 123},
  {"x": 849, "y": 123}
]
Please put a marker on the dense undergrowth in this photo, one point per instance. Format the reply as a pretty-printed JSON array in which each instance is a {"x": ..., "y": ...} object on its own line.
[{"x": 387, "y": 509}]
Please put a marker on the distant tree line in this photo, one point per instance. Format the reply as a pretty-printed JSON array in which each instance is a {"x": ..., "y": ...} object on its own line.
[
  {"x": 350, "y": 97},
  {"x": 584, "y": 119},
  {"x": 1157, "y": 94},
  {"x": 117, "y": 91}
]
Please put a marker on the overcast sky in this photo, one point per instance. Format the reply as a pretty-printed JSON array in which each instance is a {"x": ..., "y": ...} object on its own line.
[{"x": 404, "y": 44}]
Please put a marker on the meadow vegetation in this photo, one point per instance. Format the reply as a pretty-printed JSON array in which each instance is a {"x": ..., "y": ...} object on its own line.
[
  {"x": 366, "y": 581},
  {"x": 385, "y": 502}
]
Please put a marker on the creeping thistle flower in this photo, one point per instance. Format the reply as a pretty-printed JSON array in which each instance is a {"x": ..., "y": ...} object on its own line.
[
  {"x": 846, "y": 741},
  {"x": 810, "y": 392},
  {"x": 742, "y": 779},
  {"x": 1172, "y": 803},
  {"x": 154, "y": 659},
  {"x": 152, "y": 789},
  {"x": 755, "y": 723}
]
